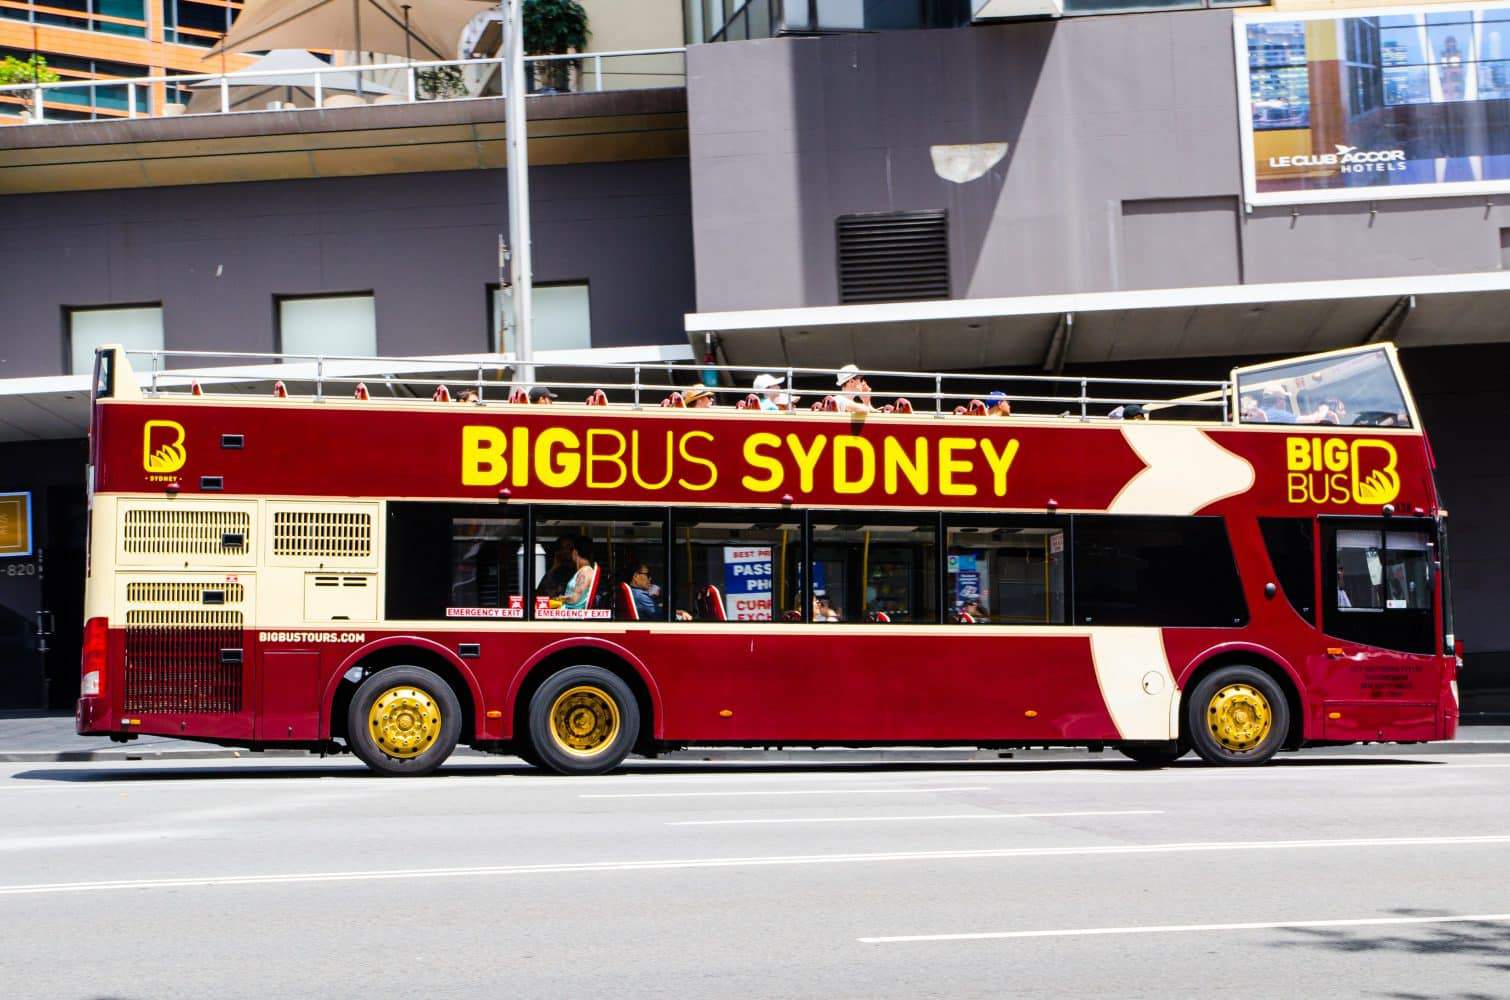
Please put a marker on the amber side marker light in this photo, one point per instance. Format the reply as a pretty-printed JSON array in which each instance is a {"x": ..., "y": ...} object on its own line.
[
  {"x": 1334, "y": 715},
  {"x": 1334, "y": 651}
]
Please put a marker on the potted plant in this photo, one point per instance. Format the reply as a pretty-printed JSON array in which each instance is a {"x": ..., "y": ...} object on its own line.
[{"x": 554, "y": 27}]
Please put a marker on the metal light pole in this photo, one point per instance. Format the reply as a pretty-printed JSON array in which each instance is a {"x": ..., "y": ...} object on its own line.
[{"x": 519, "y": 192}]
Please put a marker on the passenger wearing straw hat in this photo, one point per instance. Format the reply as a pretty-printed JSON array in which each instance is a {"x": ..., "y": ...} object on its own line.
[
  {"x": 770, "y": 399},
  {"x": 854, "y": 396},
  {"x": 698, "y": 397}
]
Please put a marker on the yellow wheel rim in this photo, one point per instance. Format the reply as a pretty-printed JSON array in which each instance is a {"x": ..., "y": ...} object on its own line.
[
  {"x": 584, "y": 720},
  {"x": 1239, "y": 717},
  {"x": 404, "y": 721}
]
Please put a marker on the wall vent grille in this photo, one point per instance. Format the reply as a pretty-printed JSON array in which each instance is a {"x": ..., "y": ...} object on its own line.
[
  {"x": 173, "y": 592},
  {"x": 893, "y": 256},
  {"x": 185, "y": 662},
  {"x": 188, "y": 531},
  {"x": 325, "y": 534}
]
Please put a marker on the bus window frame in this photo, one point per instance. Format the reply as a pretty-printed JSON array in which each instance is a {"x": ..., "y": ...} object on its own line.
[
  {"x": 676, "y": 516},
  {"x": 1329, "y": 526},
  {"x": 1391, "y": 356},
  {"x": 1009, "y": 519},
  {"x": 451, "y": 510},
  {"x": 875, "y": 515},
  {"x": 590, "y": 514}
]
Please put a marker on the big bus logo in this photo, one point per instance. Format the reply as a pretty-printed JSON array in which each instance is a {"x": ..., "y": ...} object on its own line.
[
  {"x": 1335, "y": 470},
  {"x": 163, "y": 446}
]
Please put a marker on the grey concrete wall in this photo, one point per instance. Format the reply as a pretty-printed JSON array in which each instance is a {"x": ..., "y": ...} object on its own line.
[
  {"x": 1100, "y": 112},
  {"x": 425, "y": 244}
]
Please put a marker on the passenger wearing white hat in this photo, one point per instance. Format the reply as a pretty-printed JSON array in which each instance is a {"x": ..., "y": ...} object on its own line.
[
  {"x": 855, "y": 394},
  {"x": 770, "y": 399}
]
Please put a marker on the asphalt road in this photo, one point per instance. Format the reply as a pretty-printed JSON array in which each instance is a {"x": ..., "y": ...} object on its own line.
[{"x": 1324, "y": 876}]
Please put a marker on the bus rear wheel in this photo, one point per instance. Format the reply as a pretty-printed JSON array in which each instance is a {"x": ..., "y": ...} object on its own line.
[
  {"x": 1237, "y": 715},
  {"x": 403, "y": 721},
  {"x": 583, "y": 720}
]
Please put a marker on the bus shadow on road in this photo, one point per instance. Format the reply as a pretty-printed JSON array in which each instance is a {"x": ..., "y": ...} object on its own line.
[{"x": 641, "y": 768}]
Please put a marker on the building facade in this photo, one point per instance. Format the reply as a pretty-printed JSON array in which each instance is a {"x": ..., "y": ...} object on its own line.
[{"x": 1144, "y": 191}]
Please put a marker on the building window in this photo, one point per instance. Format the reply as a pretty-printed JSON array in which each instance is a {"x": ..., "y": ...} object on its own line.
[
  {"x": 136, "y": 328},
  {"x": 562, "y": 320},
  {"x": 328, "y": 325}
]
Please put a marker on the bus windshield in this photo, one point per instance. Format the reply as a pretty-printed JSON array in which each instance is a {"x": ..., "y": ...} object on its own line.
[{"x": 1354, "y": 390}]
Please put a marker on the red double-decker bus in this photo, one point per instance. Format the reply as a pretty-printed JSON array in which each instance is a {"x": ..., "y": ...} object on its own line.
[{"x": 1259, "y": 566}]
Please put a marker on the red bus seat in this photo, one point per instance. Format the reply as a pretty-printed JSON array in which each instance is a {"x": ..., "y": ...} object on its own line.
[
  {"x": 903, "y": 406},
  {"x": 711, "y": 605},
  {"x": 598, "y": 398},
  {"x": 959, "y": 411},
  {"x": 441, "y": 394},
  {"x": 977, "y": 408},
  {"x": 675, "y": 401},
  {"x": 280, "y": 391},
  {"x": 518, "y": 395},
  {"x": 361, "y": 391},
  {"x": 880, "y": 617},
  {"x": 626, "y": 603},
  {"x": 592, "y": 588},
  {"x": 961, "y": 618}
]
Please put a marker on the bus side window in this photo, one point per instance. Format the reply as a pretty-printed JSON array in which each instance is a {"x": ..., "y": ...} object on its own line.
[
  {"x": 1378, "y": 586},
  {"x": 736, "y": 567},
  {"x": 1292, "y": 551},
  {"x": 1006, "y": 570},
  {"x": 1156, "y": 571},
  {"x": 873, "y": 568}
]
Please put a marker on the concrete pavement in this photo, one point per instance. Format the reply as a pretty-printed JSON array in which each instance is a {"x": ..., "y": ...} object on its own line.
[{"x": 1320, "y": 876}]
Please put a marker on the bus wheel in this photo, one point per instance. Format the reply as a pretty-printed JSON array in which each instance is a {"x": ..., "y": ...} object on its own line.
[
  {"x": 583, "y": 720},
  {"x": 404, "y": 721},
  {"x": 1238, "y": 715},
  {"x": 1154, "y": 754}
]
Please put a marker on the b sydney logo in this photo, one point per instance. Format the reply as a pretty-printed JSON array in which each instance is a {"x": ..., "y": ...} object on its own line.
[{"x": 1349, "y": 159}]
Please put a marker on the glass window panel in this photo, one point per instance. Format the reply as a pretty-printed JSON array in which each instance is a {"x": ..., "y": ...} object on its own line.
[
  {"x": 1281, "y": 97},
  {"x": 1357, "y": 390},
  {"x": 1407, "y": 571},
  {"x": 1162, "y": 571},
  {"x": 1006, "y": 574},
  {"x": 1400, "y": 47},
  {"x": 1493, "y": 41},
  {"x": 878, "y": 571},
  {"x": 137, "y": 328},
  {"x": 332, "y": 325},
  {"x": 482, "y": 577},
  {"x": 1452, "y": 46},
  {"x": 1494, "y": 80},
  {"x": 737, "y": 570},
  {"x": 1278, "y": 43},
  {"x": 1407, "y": 85},
  {"x": 589, "y": 567},
  {"x": 1292, "y": 553},
  {"x": 1360, "y": 570},
  {"x": 562, "y": 317}
]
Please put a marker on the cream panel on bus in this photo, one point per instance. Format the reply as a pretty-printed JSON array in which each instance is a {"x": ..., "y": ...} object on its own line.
[
  {"x": 1136, "y": 683},
  {"x": 310, "y": 545},
  {"x": 1185, "y": 471}
]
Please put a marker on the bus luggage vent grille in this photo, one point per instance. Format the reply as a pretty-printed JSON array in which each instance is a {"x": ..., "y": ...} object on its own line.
[
  {"x": 187, "y": 532},
  {"x": 183, "y": 661},
  {"x": 332, "y": 534},
  {"x": 158, "y": 592}
]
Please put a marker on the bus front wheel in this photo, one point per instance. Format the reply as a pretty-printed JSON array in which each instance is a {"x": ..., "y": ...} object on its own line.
[
  {"x": 403, "y": 721},
  {"x": 583, "y": 720},
  {"x": 1237, "y": 715}
]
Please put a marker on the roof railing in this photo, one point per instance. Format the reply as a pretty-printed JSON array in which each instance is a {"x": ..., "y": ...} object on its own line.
[
  {"x": 384, "y": 83},
  {"x": 493, "y": 379}
]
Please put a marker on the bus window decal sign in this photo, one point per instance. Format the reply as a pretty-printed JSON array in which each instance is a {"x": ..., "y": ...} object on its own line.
[{"x": 1334, "y": 470}]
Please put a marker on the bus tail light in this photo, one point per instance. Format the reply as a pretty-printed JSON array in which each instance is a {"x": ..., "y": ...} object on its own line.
[{"x": 92, "y": 664}]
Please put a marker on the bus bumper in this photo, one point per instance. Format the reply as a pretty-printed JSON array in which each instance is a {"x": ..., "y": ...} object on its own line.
[{"x": 91, "y": 717}]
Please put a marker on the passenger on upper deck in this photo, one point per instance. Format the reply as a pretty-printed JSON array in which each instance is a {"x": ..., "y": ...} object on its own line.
[
  {"x": 1131, "y": 411},
  {"x": 770, "y": 399},
  {"x": 698, "y": 397},
  {"x": 580, "y": 589},
  {"x": 855, "y": 394},
  {"x": 541, "y": 394},
  {"x": 997, "y": 405}
]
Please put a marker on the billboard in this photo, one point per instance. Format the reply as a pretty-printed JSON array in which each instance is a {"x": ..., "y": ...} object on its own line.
[
  {"x": 15, "y": 524},
  {"x": 1395, "y": 102}
]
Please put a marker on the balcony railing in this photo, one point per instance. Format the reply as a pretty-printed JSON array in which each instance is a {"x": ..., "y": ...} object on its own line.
[{"x": 245, "y": 91}]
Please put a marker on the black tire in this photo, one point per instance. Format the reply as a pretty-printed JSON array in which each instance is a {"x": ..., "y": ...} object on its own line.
[
  {"x": 366, "y": 737},
  {"x": 606, "y": 735},
  {"x": 525, "y": 752},
  {"x": 1203, "y": 716},
  {"x": 1153, "y": 754}
]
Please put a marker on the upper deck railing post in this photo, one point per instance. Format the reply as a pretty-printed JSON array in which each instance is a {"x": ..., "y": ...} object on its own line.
[
  {"x": 36, "y": 105},
  {"x": 1084, "y": 402},
  {"x": 320, "y": 377},
  {"x": 636, "y": 387},
  {"x": 938, "y": 395},
  {"x": 1226, "y": 404},
  {"x": 791, "y": 388},
  {"x": 130, "y": 100},
  {"x": 597, "y": 71},
  {"x": 225, "y": 95},
  {"x": 479, "y": 383},
  {"x": 319, "y": 90},
  {"x": 155, "y": 362}
]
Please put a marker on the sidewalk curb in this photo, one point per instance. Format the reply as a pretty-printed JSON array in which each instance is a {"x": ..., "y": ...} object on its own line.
[{"x": 836, "y": 755}]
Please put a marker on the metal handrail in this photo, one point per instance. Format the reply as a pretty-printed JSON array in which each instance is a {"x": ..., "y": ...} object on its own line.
[
  {"x": 408, "y": 68},
  {"x": 470, "y": 372}
]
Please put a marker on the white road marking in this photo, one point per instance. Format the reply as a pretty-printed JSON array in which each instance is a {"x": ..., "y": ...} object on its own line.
[
  {"x": 1192, "y": 928},
  {"x": 911, "y": 819},
  {"x": 783, "y": 791},
  {"x": 739, "y": 862}
]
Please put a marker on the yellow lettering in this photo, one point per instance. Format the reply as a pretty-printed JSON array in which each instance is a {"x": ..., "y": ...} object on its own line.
[
  {"x": 482, "y": 462},
  {"x": 950, "y": 467},
  {"x": 895, "y": 460},
  {"x": 634, "y": 462},
  {"x": 769, "y": 463},
  {"x": 1298, "y": 454},
  {"x": 557, "y": 469},
  {"x": 1334, "y": 454},
  {"x": 696, "y": 460},
  {"x": 594, "y": 459},
  {"x": 1299, "y": 483},
  {"x": 999, "y": 462},
  {"x": 807, "y": 459},
  {"x": 522, "y": 454},
  {"x": 843, "y": 481}
]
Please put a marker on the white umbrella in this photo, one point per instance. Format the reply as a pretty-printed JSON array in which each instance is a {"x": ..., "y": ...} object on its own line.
[
  {"x": 428, "y": 29},
  {"x": 287, "y": 76}
]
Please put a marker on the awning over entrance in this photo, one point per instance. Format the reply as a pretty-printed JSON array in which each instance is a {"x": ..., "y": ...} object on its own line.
[
  {"x": 1050, "y": 331},
  {"x": 57, "y": 406}
]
